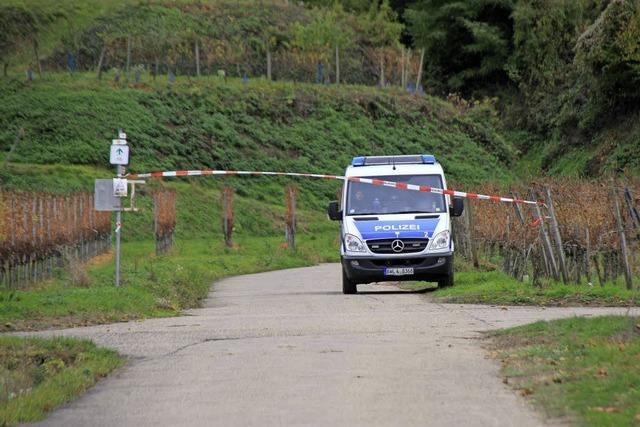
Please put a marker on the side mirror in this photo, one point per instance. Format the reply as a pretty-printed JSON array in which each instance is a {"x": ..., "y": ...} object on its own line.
[
  {"x": 458, "y": 206},
  {"x": 334, "y": 212}
]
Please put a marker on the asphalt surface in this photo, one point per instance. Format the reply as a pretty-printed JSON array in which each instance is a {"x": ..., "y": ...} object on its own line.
[{"x": 287, "y": 348}]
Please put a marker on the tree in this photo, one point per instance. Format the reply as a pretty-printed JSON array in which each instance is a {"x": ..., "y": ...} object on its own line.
[
  {"x": 324, "y": 34},
  {"x": 542, "y": 62},
  {"x": 466, "y": 42},
  {"x": 20, "y": 26},
  {"x": 383, "y": 31},
  {"x": 607, "y": 61}
]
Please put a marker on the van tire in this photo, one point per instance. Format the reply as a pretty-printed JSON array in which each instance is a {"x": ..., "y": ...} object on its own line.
[
  {"x": 446, "y": 281},
  {"x": 348, "y": 287}
]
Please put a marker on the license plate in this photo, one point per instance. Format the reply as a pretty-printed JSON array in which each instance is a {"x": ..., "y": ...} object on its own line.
[{"x": 398, "y": 271}]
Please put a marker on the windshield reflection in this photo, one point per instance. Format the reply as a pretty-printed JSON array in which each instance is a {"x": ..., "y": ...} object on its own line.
[{"x": 366, "y": 199}]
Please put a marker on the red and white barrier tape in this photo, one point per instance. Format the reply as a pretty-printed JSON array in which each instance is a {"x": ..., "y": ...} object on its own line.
[{"x": 399, "y": 185}]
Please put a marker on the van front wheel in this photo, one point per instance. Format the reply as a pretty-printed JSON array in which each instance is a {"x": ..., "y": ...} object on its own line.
[
  {"x": 447, "y": 280},
  {"x": 348, "y": 287}
]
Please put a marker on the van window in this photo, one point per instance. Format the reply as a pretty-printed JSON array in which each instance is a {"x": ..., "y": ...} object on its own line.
[{"x": 365, "y": 199}]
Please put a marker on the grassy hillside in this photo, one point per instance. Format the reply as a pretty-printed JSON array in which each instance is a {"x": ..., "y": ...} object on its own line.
[
  {"x": 214, "y": 123},
  {"x": 610, "y": 150}
]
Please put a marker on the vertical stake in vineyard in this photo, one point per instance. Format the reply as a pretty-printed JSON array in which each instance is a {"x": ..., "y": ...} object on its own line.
[
  {"x": 227, "y": 215},
  {"x": 290, "y": 220}
]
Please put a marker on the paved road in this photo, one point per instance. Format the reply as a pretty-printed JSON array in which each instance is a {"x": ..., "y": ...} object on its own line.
[{"x": 287, "y": 348}]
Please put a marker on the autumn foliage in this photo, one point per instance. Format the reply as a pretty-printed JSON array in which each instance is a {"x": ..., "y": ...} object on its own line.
[
  {"x": 164, "y": 214},
  {"x": 38, "y": 225}
]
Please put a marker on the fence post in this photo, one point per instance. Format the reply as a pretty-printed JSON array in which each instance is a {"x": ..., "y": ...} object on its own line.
[
  {"x": 633, "y": 212},
  {"x": 419, "y": 77},
  {"x": 556, "y": 234},
  {"x": 587, "y": 261},
  {"x": 623, "y": 240},
  {"x": 547, "y": 250},
  {"x": 290, "y": 216},
  {"x": 337, "y": 65},
  {"x": 469, "y": 225},
  {"x": 197, "y": 55},
  {"x": 227, "y": 215},
  {"x": 128, "y": 55}
]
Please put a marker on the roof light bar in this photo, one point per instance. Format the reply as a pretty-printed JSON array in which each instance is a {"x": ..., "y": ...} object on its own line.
[
  {"x": 429, "y": 159},
  {"x": 393, "y": 160},
  {"x": 358, "y": 161}
]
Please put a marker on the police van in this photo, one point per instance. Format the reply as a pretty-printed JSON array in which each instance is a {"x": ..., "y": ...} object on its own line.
[{"x": 391, "y": 234}]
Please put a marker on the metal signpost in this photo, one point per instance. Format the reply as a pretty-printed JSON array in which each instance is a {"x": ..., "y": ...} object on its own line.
[
  {"x": 119, "y": 157},
  {"x": 110, "y": 192}
]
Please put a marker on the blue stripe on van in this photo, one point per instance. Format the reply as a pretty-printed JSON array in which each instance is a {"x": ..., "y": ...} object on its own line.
[{"x": 418, "y": 228}]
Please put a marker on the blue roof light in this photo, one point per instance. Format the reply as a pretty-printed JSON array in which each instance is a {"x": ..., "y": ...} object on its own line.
[
  {"x": 357, "y": 161},
  {"x": 428, "y": 159}
]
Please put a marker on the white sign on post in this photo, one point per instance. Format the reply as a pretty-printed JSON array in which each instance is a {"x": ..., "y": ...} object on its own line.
[
  {"x": 119, "y": 154},
  {"x": 120, "y": 187}
]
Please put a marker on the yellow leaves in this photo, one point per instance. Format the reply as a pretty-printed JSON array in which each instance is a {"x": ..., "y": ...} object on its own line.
[
  {"x": 606, "y": 409},
  {"x": 601, "y": 373},
  {"x": 526, "y": 392}
]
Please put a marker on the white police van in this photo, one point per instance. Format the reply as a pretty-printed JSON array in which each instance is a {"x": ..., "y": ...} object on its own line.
[{"x": 391, "y": 234}]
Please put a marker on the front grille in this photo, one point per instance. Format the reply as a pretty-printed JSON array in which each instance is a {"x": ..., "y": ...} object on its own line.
[
  {"x": 404, "y": 262},
  {"x": 383, "y": 246}
]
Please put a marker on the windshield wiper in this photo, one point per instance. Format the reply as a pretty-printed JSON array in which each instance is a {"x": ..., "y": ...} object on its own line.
[
  {"x": 395, "y": 213},
  {"x": 411, "y": 212}
]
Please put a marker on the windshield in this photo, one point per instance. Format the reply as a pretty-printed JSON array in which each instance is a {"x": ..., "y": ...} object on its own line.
[{"x": 365, "y": 199}]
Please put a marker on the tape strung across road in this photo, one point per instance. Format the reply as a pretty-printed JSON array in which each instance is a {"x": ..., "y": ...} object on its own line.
[{"x": 373, "y": 181}]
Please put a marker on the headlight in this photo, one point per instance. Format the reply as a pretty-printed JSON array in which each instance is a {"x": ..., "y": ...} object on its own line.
[
  {"x": 353, "y": 244},
  {"x": 441, "y": 241}
]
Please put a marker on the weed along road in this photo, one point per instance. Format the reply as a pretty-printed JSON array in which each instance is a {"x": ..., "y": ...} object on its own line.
[{"x": 288, "y": 348}]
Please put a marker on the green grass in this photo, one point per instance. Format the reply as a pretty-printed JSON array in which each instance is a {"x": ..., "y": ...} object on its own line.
[
  {"x": 154, "y": 286},
  {"x": 583, "y": 370},
  {"x": 37, "y": 375},
  {"x": 495, "y": 287},
  {"x": 260, "y": 125}
]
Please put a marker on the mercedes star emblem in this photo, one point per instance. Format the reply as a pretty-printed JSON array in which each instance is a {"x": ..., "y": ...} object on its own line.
[{"x": 397, "y": 246}]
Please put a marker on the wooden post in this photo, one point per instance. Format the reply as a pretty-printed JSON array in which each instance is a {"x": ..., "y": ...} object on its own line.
[
  {"x": 402, "y": 68},
  {"x": 290, "y": 219},
  {"x": 128, "y": 55},
  {"x": 337, "y": 65},
  {"x": 101, "y": 59},
  {"x": 633, "y": 212},
  {"x": 469, "y": 225},
  {"x": 587, "y": 258},
  {"x": 517, "y": 208},
  {"x": 407, "y": 62},
  {"x": 507, "y": 257},
  {"x": 197, "y": 55},
  {"x": 546, "y": 242},
  {"x": 268, "y": 64},
  {"x": 419, "y": 78},
  {"x": 623, "y": 240},
  {"x": 227, "y": 215},
  {"x": 156, "y": 67},
  {"x": 556, "y": 234},
  {"x": 37, "y": 56}
]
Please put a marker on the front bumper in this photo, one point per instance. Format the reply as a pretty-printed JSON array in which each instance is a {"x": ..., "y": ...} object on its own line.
[{"x": 371, "y": 269}]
